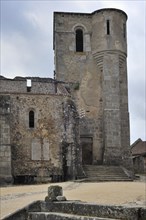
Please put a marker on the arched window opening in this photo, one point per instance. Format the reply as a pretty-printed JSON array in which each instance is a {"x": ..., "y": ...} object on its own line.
[
  {"x": 79, "y": 40},
  {"x": 108, "y": 27},
  {"x": 31, "y": 119},
  {"x": 124, "y": 30}
]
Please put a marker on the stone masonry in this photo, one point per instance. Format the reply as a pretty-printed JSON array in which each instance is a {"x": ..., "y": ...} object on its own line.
[
  {"x": 5, "y": 147},
  {"x": 100, "y": 70},
  {"x": 51, "y": 127},
  {"x": 38, "y": 153}
]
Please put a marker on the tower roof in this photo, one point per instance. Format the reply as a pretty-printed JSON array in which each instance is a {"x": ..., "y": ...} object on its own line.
[
  {"x": 96, "y": 11},
  {"x": 110, "y": 9}
]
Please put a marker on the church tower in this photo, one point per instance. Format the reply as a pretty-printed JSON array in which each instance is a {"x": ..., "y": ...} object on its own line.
[{"x": 90, "y": 55}]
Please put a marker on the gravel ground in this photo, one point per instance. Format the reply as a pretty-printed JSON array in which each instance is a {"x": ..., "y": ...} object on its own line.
[{"x": 113, "y": 193}]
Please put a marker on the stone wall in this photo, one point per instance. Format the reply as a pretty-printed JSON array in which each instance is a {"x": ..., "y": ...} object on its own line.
[
  {"x": 76, "y": 210},
  {"x": 124, "y": 114},
  {"x": 100, "y": 70},
  {"x": 41, "y": 143},
  {"x": 38, "y": 86},
  {"x": 80, "y": 68},
  {"x": 37, "y": 151},
  {"x": 112, "y": 129},
  {"x": 5, "y": 145},
  {"x": 72, "y": 163},
  {"x": 139, "y": 164},
  {"x": 90, "y": 85}
]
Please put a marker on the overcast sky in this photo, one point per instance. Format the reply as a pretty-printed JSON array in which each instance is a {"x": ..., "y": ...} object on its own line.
[{"x": 27, "y": 44}]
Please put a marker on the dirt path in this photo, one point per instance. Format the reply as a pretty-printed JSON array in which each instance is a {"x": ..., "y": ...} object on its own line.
[{"x": 114, "y": 193}]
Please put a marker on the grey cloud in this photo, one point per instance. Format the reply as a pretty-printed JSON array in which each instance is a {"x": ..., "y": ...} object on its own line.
[
  {"x": 27, "y": 49},
  {"x": 12, "y": 17}
]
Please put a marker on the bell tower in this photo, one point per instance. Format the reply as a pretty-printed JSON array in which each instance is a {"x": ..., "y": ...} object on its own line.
[{"x": 91, "y": 55}]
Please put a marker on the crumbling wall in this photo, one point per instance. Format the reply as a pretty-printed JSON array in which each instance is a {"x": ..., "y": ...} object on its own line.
[
  {"x": 100, "y": 71},
  {"x": 72, "y": 164},
  {"x": 81, "y": 69},
  {"x": 19, "y": 85},
  {"x": 37, "y": 151},
  {"x": 5, "y": 146},
  {"x": 138, "y": 164}
]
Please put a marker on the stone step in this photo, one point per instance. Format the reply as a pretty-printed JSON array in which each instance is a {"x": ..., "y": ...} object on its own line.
[
  {"x": 61, "y": 216},
  {"x": 108, "y": 177},
  {"x": 96, "y": 167},
  {"x": 104, "y": 173},
  {"x": 95, "y": 179},
  {"x": 101, "y": 168}
]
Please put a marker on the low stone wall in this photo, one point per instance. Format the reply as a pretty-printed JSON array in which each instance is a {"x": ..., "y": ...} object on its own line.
[
  {"x": 22, "y": 214},
  {"x": 53, "y": 206},
  {"x": 82, "y": 209},
  {"x": 86, "y": 209}
]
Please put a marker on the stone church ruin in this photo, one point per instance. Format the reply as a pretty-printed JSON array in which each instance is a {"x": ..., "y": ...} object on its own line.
[{"x": 64, "y": 128}]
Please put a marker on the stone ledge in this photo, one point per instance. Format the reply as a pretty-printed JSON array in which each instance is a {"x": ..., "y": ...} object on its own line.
[
  {"x": 88, "y": 210},
  {"x": 61, "y": 216}
]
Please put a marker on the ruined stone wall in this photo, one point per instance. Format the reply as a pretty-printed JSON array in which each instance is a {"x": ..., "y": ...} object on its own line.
[
  {"x": 40, "y": 143},
  {"x": 111, "y": 54},
  {"x": 5, "y": 147},
  {"x": 100, "y": 71},
  {"x": 71, "y": 148},
  {"x": 19, "y": 85},
  {"x": 139, "y": 164},
  {"x": 70, "y": 65},
  {"x": 89, "y": 102},
  {"x": 37, "y": 150},
  {"x": 124, "y": 113},
  {"x": 80, "y": 68}
]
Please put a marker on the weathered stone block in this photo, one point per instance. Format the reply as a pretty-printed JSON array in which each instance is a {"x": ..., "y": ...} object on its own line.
[{"x": 53, "y": 192}]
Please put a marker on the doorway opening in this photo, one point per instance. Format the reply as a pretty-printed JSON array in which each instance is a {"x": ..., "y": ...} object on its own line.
[{"x": 87, "y": 150}]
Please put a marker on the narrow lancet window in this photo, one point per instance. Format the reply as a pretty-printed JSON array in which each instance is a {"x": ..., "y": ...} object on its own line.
[
  {"x": 124, "y": 30},
  {"x": 31, "y": 119},
  {"x": 108, "y": 27},
  {"x": 79, "y": 40}
]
